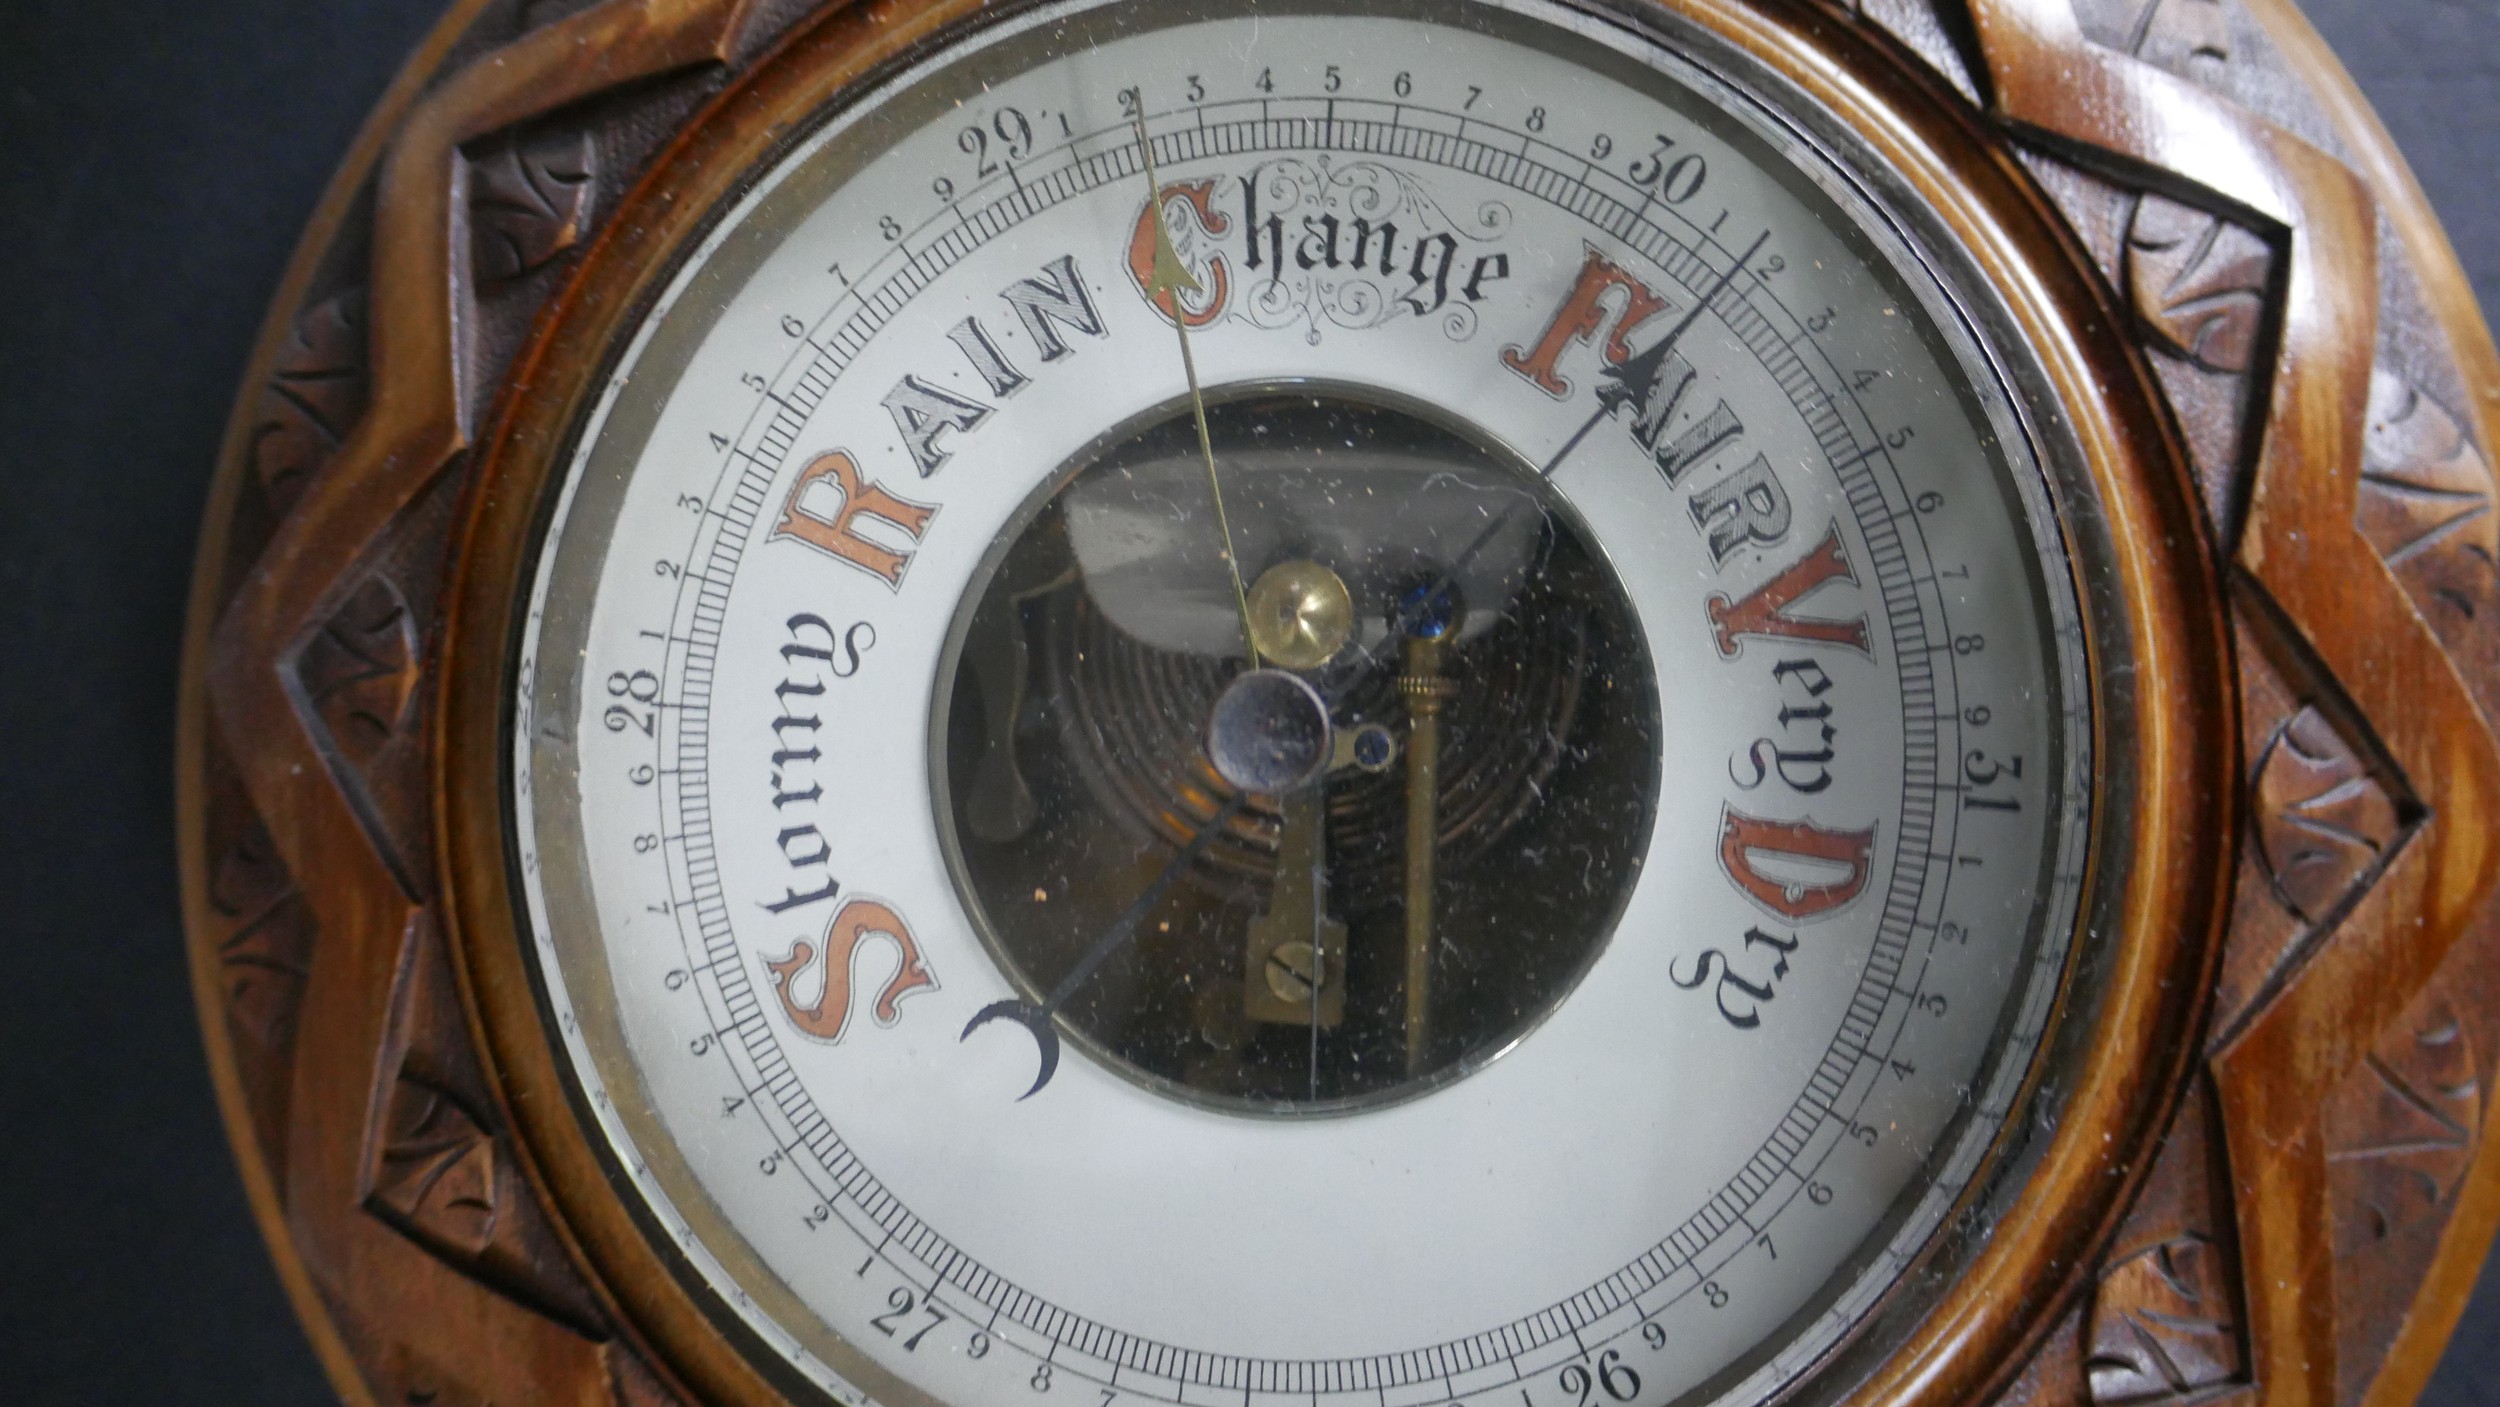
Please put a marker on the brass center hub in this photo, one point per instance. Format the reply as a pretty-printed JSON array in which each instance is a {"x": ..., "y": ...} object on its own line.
[{"x": 1300, "y": 615}]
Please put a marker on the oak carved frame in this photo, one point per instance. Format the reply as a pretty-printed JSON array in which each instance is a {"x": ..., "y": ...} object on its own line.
[{"x": 2262, "y": 340}]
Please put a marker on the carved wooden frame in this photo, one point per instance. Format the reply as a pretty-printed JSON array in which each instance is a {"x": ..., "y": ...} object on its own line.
[{"x": 446, "y": 1231}]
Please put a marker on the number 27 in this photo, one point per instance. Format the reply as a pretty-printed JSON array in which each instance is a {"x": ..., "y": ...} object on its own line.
[{"x": 902, "y": 1302}]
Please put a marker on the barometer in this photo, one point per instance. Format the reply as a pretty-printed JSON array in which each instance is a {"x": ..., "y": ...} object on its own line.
[{"x": 1359, "y": 703}]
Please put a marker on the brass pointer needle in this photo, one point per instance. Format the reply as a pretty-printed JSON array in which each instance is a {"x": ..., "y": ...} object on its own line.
[{"x": 1171, "y": 276}]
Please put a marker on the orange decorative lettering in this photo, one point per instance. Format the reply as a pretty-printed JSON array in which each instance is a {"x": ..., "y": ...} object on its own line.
[
  {"x": 1804, "y": 854},
  {"x": 838, "y": 535},
  {"x": 1765, "y": 612},
  {"x": 853, "y": 924},
  {"x": 1159, "y": 286},
  {"x": 1579, "y": 319}
]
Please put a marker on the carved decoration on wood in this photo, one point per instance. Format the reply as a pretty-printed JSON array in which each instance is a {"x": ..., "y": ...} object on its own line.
[
  {"x": 2255, "y": 266},
  {"x": 2160, "y": 1330},
  {"x": 360, "y": 671},
  {"x": 2165, "y": 1316},
  {"x": 2323, "y": 820},
  {"x": 356, "y": 683},
  {"x": 2401, "y": 1132},
  {"x": 2301, "y": 546},
  {"x": 529, "y": 200},
  {"x": 2185, "y": 280},
  {"x": 410, "y": 1379},
  {"x": 2055, "y": 1376},
  {"x": 2326, "y": 810},
  {"x": 2427, "y": 493},
  {"x": 315, "y": 660},
  {"x": 436, "y": 1164},
  {"x": 396, "y": 451},
  {"x": 2403, "y": 1127},
  {"x": 315, "y": 391},
  {"x": 2187, "y": 37},
  {"x": 264, "y": 955},
  {"x": 2198, "y": 282}
]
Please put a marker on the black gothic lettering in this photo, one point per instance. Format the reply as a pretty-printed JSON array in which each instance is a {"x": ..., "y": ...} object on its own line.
[
  {"x": 922, "y": 412},
  {"x": 1746, "y": 509},
  {"x": 1047, "y": 306},
  {"x": 974, "y": 341}
]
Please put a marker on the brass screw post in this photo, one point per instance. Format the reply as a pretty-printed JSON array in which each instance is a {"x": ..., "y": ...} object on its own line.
[{"x": 1425, "y": 691}]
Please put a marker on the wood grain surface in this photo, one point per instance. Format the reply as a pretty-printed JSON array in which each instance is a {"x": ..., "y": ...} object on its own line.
[
  {"x": 2306, "y": 356},
  {"x": 151, "y": 1300}
]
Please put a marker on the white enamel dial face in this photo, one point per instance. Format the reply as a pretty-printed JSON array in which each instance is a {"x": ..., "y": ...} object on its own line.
[{"x": 870, "y": 656}]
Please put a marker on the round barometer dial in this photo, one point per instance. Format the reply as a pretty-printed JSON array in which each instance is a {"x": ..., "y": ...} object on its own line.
[
  {"x": 1360, "y": 703},
  {"x": 1358, "y": 698}
]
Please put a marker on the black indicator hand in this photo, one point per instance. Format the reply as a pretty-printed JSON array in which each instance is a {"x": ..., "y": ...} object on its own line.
[
  {"x": 1037, "y": 1018},
  {"x": 1629, "y": 384}
]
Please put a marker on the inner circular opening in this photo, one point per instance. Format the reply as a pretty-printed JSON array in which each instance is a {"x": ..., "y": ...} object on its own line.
[{"x": 1310, "y": 949}]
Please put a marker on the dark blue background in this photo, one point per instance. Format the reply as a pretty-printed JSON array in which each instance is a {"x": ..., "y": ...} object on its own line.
[{"x": 157, "y": 161}]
